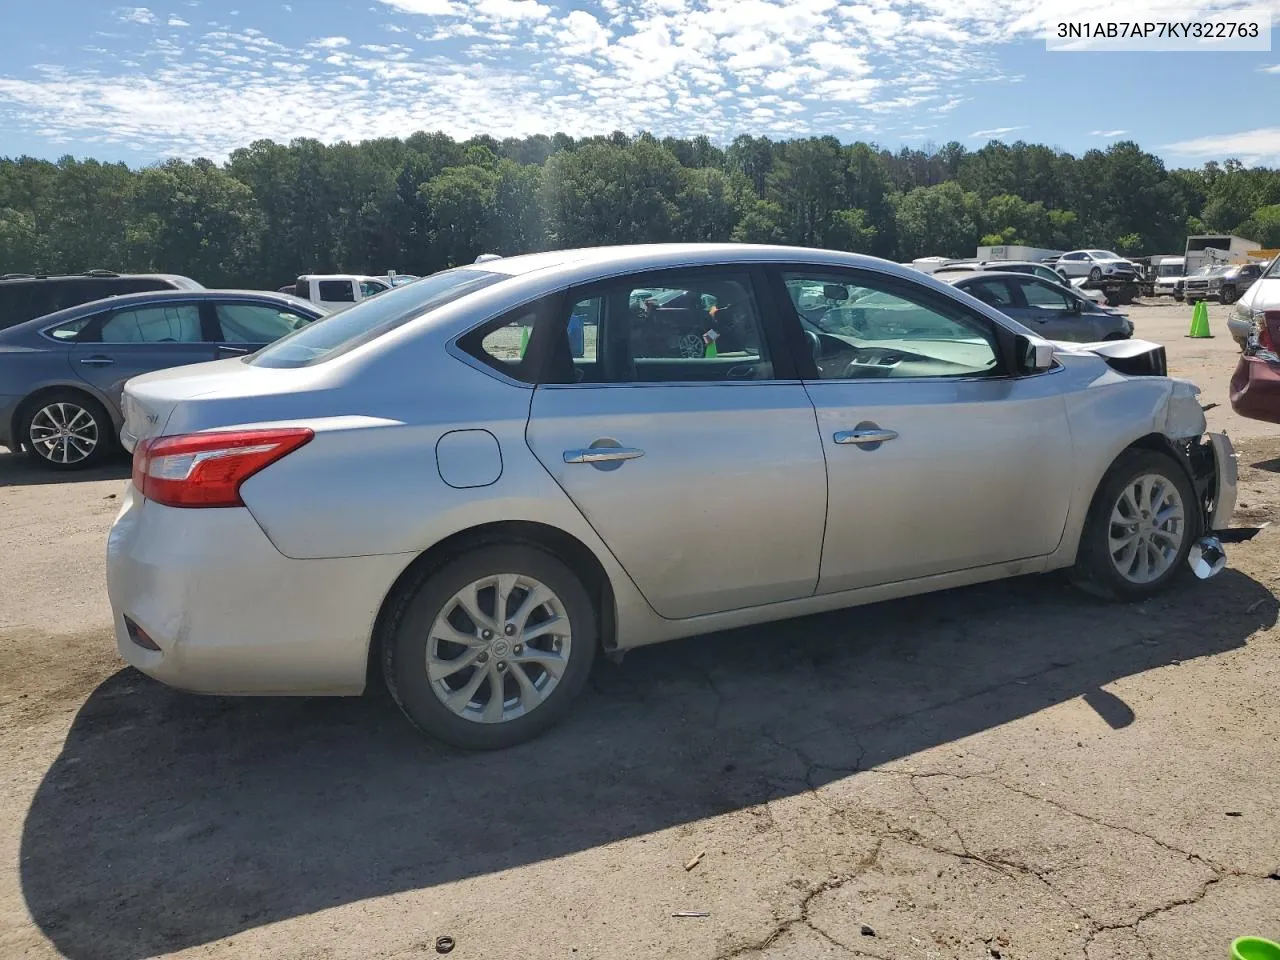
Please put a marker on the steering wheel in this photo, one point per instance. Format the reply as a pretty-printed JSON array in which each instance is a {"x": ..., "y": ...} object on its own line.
[{"x": 815, "y": 345}]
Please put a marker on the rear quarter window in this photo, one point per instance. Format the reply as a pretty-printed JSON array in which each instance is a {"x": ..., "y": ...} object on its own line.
[{"x": 348, "y": 328}]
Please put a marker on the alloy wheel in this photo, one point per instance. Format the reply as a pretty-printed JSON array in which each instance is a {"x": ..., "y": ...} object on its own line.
[
  {"x": 1148, "y": 526},
  {"x": 63, "y": 433},
  {"x": 498, "y": 648}
]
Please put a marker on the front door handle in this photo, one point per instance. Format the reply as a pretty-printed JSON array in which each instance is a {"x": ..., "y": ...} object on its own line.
[
  {"x": 865, "y": 435},
  {"x": 602, "y": 454},
  {"x": 97, "y": 361}
]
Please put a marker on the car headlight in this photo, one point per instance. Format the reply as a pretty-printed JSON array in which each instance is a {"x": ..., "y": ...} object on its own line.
[{"x": 1242, "y": 314}]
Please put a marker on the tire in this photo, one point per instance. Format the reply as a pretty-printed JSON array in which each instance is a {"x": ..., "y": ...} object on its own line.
[
  {"x": 1096, "y": 571},
  {"x": 91, "y": 440},
  {"x": 1177, "y": 297},
  {"x": 1228, "y": 295},
  {"x": 1095, "y": 275},
  {"x": 428, "y": 607}
]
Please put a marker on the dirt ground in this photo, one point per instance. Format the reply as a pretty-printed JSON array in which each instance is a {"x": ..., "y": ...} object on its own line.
[{"x": 1008, "y": 771}]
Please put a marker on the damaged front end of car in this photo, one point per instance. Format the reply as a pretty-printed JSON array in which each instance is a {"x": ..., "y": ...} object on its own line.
[{"x": 1208, "y": 458}]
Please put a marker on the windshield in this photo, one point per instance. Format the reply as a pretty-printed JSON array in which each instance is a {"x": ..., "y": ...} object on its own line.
[
  {"x": 1274, "y": 270},
  {"x": 400, "y": 279},
  {"x": 342, "y": 331},
  {"x": 1170, "y": 270},
  {"x": 1104, "y": 255}
]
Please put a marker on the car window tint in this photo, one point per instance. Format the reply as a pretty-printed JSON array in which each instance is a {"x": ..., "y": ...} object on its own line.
[
  {"x": 350, "y": 327},
  {"x": 138, "y": 285},
  {"x": 694, "y": 327},
  {"x": 176, "y": 323},
  {"x": 873, "y": 332},
  {"x": 369, "y": 288},
  {"x": 995, "y": 292},
  {"x": 337, "y": 291},
  {"x": 256, "y": 323},
  {"x": 1043, "y": 295}
]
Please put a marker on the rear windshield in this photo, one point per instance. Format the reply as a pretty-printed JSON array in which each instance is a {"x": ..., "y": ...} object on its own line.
[{"x": 339, "y": 332}]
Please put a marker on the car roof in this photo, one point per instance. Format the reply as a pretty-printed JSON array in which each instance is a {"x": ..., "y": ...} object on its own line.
[
  {"x": 153, "y": 296},
  {"x": 41, "y": 278}
]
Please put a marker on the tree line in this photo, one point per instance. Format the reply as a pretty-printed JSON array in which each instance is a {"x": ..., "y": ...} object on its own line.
[{"x": 419, "y": 204}]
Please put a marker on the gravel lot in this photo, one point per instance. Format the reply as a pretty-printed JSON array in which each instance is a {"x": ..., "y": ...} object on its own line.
[{"x": 1009, "y": 771}]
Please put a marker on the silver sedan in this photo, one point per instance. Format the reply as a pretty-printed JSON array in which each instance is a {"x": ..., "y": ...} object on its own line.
[{"x": 471, "y": 485}]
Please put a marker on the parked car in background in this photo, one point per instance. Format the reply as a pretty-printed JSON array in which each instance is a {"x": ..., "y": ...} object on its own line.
[
  {"x": 1048, "y": 309},
  {"x": 1227, "y": 284},
  {"x": 24, "y": 297},
  {"x": 484, "y": 514},
  {"x": 339, "y": 290},
  {"x": 1197, "y": 286},
  {"x": 1095, "y": 265},
  {"x": 61, "y": 376},
  {"x": 1257, "y": 312},
  {"x": 1003, "y": 266}
]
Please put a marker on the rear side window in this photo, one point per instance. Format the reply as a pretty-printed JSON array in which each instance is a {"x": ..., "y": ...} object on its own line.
[
  {"x": 179, "y": 323},
  {"x": 347, "y": 329},
  {"x": 337, "y": 291}
]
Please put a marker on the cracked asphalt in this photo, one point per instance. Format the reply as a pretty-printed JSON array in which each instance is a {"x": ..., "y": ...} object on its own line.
[{"x": 1009, "y": 771}]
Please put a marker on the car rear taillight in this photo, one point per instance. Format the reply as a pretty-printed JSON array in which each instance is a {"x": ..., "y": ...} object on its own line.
[
  {"x": 207, "y": 469},
  {"x": 1269, "y": 330}
]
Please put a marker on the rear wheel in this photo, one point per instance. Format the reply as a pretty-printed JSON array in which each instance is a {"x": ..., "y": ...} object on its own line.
[
  {"x": 66, "y": 430},
  {"x": 492, "y": 648},
  {"x": 1140, "y": 527}
]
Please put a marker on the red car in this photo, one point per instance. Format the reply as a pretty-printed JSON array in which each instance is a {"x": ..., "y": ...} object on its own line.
[{"x": 1255, "y": 386}]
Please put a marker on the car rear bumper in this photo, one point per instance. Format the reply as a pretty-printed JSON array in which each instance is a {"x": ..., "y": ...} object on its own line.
[{"x": 231, "y": 614}]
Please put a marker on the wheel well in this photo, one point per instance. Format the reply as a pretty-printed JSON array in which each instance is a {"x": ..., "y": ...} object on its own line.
[
  {"x": 579, "y": 557},
  {"x": 29, "y": 401}
]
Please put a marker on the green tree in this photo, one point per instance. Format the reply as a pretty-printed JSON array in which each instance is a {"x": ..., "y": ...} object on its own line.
[{"x": 940, "y": 220}]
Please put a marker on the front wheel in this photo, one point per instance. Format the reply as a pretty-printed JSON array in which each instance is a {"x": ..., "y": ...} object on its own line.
[
  {"x": 1095, "y": 275},
  {"x": 1141, "y": 524},
  {"x": 492, "y": 648},
  {"x": 1228, "y": 295}
]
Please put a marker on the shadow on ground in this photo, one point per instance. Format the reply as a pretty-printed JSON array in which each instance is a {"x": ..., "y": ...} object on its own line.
[
  {"x": 19, "y": 470},
  {"x": 172, "y": 820}
]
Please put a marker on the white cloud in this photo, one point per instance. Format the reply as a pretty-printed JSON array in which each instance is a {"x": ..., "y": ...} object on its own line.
[
  {"x": 1274, "y": 68},
  {"x": 508, "y": 11},
  {"x": 993, "y": 132},
  {"x": 580, "y": 33},
  {"x": 178, "y": 22},
  {"x": 430, "y": 8},
  {"x": 1107, "y": 133},
  {"x": 1249, "y": 146},
  {"x": 331, "y": 43},
  {"x": 136, "y": 15}
]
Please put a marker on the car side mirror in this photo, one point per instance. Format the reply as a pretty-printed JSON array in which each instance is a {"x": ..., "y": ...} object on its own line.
[
  {"x": 1077, "y": 306},
  {"x": 835, "y": 291},
  {"x": 1033, "y": 354}
]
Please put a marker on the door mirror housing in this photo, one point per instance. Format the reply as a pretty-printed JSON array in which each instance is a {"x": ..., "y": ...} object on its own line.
[
  {"x": 1077, "y": 306},
  {"x": 1032, "y": 354}
]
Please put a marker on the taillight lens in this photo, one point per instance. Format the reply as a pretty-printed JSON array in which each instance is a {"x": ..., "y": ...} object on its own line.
[
  {"x": 1269, "y": 330},
  {"x": 207, "y": 469}
]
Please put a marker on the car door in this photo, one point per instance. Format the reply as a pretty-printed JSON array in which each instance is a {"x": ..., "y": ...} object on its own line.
[
  {"x": 685, "y": 439},
  {"x": 128, "y": 341},
  {"x": 244, "y": 326},
  {"x": 1073, "y": 265},
  {"x": 937, "y": 459}
]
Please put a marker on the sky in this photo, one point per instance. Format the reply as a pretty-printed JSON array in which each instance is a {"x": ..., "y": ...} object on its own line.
[{"x": 194, "y": 78}]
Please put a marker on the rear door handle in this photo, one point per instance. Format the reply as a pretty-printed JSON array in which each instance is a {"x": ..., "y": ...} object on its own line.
[
  {"x": 602, "y": 454},
  {"x": 859, "y": 437},
  {"x": 97, "y": 361}
]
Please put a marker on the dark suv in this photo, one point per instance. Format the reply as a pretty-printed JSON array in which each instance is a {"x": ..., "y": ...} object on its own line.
[{"x": 24, "y": 297}]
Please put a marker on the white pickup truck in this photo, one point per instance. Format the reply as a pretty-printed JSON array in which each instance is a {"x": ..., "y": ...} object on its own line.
[{"x": 338, "y": 290}]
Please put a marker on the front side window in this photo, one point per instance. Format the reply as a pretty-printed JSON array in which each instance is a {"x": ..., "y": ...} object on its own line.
[
  {"x": 336, "y": 291},
  {"x": 873, "y": 328},
  {"x": 256, "y": 323},
  {"x": 370, "y": 288},
  {"x": 1043, "y": 295},
  {"x": 347, "y": 329},
  {"x": 177, "y": 323}
]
